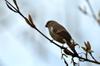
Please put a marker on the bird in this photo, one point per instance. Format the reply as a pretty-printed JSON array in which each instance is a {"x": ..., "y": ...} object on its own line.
[{"x": 60, "y": 34}]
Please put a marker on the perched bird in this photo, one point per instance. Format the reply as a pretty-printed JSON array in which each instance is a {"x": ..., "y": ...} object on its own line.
[{"x": 60, "y": 34}]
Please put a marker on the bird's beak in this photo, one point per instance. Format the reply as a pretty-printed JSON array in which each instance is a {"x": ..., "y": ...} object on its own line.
[{"x": 46, "y": 25}]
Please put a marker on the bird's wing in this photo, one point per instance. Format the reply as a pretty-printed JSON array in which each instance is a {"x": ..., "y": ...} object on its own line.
[{"x": 64, "y": 34}]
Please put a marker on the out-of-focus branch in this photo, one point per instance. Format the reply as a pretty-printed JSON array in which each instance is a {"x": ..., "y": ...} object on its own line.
[
  {"x": 91, "y": 9},
  {"x": 83, "y": 10},
  {"x": 93, "y": 13},
  {"x": 30, "y": 22}
]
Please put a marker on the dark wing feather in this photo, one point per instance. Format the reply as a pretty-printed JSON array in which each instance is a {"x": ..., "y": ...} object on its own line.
[{"x": 65, "y": 35}]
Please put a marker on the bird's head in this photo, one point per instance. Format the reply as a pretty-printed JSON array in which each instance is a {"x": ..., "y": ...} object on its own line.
[{"x": 50, "y": 23}]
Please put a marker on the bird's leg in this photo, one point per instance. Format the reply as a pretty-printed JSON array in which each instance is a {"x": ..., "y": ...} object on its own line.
[{"x": 73, "y": 42}]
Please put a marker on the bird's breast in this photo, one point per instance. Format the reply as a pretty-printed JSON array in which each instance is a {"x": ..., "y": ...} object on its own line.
[{"x": 55, "y": 36}]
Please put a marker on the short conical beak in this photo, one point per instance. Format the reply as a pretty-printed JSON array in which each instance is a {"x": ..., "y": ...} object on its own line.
[{"x": 46, "y": 25}]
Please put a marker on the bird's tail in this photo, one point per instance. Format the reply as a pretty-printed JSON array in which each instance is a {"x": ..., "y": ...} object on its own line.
[{"x": 72, "y": 45}]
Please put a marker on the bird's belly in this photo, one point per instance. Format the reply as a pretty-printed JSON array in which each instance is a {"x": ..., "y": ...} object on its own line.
[{"x": 57, "y": 38}]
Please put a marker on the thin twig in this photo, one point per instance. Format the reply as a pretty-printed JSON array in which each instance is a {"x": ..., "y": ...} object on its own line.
[
  {"x": 96, "y": 62},
  {"x": 92, "y": 56}
]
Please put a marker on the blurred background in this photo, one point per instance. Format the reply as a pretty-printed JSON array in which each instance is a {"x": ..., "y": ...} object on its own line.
[{"x": 20, "y": 45}]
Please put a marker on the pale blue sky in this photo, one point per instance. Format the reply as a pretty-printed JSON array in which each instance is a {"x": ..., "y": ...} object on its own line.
[{"x": 20, "y": 45}]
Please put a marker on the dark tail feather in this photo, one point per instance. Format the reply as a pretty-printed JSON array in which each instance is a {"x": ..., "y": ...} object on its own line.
[{"x": 72, "y": 47}]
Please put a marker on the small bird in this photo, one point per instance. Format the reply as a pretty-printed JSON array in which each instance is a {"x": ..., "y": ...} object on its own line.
[{"x": 60, "y": 34}]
